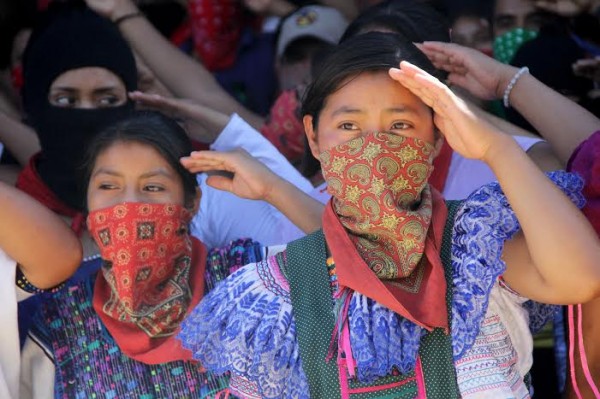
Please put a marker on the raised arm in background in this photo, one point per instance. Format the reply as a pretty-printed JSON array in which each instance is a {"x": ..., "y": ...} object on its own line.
[
  {"x": 181, "y": 74},
  {"x": 246, "y": 177},
  {"x": 562, "y": 122},
  {"x": 43, "y": 245},
  {"x": 19, "y": 139}
]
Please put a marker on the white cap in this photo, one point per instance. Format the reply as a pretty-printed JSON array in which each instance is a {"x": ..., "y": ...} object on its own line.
[{"x": 320, "y": 22}]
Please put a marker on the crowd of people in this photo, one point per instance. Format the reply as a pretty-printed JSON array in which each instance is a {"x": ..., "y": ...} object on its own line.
[{"x": 300, "y": 199}]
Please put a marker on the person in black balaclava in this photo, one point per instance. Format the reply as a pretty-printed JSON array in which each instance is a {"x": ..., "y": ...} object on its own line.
[{"x": 77, "y": 72}]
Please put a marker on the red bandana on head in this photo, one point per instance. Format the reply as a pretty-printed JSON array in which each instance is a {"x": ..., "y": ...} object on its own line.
[
  {"x": 216, "y": 29},
  {"x": 151, "y": 276},
  {"x": 391, "y": 218}
]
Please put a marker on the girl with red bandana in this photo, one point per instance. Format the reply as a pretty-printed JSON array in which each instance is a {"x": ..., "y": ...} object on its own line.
[{"x": 140, "y": 200}]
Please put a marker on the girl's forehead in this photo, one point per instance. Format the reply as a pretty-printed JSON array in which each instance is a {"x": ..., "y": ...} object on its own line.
[
  {"x": 130, "y": 152},
  {"x": 370, "y": 89}
]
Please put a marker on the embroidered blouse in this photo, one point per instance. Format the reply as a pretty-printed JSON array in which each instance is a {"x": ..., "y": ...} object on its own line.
[{"x": 246, "y": 325}]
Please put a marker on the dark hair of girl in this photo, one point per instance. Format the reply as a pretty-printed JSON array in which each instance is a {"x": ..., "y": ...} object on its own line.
[
  {"x": 417, "y": 20},
  {"x": 369, "y": 52},
  {"x": 153, "y": 129}
]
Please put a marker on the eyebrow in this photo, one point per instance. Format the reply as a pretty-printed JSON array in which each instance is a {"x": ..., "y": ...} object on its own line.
[
  {"x": 156, "y": 172},
  {"x": 393, "y": 110},
  {"x": 346, "y": 110},
  {"x": 70, "y": 89}
]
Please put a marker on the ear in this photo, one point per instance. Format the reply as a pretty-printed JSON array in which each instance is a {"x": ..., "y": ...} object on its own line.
[
  {"x": 195, "y": 206},
  {"x": 439, "y": 143},
  {"x": 311, "y": 135}
]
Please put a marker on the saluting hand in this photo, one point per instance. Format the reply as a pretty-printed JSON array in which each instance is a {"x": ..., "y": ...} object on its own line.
[
  {"x": 467, "y": 134},
  {"x": 244, "y": 176}
]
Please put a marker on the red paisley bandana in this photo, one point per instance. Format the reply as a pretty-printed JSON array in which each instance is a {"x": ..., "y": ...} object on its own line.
[
  {"x": 382, "y": 199},
  {"x": 150, "y": 278}
]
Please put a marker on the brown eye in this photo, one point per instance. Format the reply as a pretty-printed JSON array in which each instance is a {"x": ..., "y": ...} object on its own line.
[
  {"x": 401, "y": 126},
  {"x": 348, "y": 126},
  {"x": 65, "y": 101},
  {"x": 109, "y": 101},
  {"x": 154, "y": 188}
]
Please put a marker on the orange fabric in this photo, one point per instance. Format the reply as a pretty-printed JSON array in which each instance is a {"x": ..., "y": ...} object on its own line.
[{"x": 134, "y": 342}]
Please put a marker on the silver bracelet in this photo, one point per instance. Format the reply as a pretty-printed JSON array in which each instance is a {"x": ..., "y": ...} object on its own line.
[{"x": 512, "y": 83}]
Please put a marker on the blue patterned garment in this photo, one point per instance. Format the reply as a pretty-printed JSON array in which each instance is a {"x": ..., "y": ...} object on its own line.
[
  {"x": 246, "y": 325},
  {"x": 483, "y": 223},
  {"x": 381, "y": 340}
]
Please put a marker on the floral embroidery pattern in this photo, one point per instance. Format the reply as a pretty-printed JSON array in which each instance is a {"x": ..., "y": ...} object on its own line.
[
  {"x": 247, "y": 329},
  {"x": 246, "y": 325},
  {"x": 483, "y": 223},
  {"x": 381, "y": 339}
]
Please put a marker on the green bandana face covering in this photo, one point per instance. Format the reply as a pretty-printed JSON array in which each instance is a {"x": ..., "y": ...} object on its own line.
[{"x": 507, "y": 44}]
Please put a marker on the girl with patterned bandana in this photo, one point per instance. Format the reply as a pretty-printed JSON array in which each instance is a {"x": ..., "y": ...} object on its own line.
[
  {"x": 401, "y": 294},
  {"x": 112, "y": 334}
]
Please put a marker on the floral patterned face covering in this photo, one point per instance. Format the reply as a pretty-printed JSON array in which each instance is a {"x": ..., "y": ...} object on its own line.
[
  {"x": 379, "y": 182},
  {"x": 384, "y": 224},
  {"x": 147, "y": 254},
  {"x": 507, "y": 44}
]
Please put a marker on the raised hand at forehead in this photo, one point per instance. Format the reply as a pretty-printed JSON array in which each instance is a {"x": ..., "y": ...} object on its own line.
[{"x": 466, "y": 133}]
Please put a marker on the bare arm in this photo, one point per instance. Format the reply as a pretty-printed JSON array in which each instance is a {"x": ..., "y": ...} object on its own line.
[
  {"x": 565, "y": 129},
  {"x": 279, "y": 8},
  {"x": 562, "y": 122},
  {"x": 47, "y": 251},
  {"x": 249, "y": 178},
  {"x": 202, "y": 123},
  {"x": 348, "y": 8},
  {"x": 20, "y": 139},
  {"x": 182, "y": 75},
  {"x": 555, "y": 257},
  {"x": 542, "y": 154}
]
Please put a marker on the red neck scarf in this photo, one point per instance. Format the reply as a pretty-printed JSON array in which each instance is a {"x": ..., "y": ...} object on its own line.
[
  {"x": 30, "y": 182},
  {"x": 151, "y": 278},
  {"x": 382, "y": 219}
]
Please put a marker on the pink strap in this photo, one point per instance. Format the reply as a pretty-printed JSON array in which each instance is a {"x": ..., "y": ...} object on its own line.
[
  {"x": 421, "y": 391},
  {"x": 344, "y": 388},
  {"x": 346, "y": 364},
  {"x": 572, "y": 338},
  {"x": 347, "y": 347},
  {"x": 582, "y": 356}
]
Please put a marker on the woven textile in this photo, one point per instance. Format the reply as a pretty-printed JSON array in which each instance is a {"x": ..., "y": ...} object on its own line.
[{"x": 89, "y": 363}]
